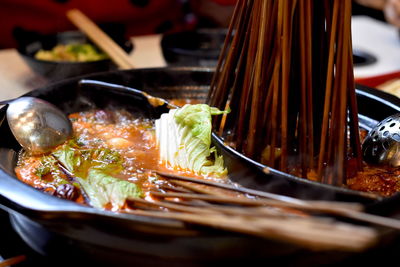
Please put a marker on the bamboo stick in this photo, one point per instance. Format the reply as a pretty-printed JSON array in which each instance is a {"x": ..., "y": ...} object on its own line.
[
  {"x": 232, "y": 187},
  {"x": 291, "y": 111},
  {"x": 346, "y": 210},
  {"x": 310, "y": 233},
  {"x": 319, "y": 206},
  {"x": 328, "y": 88}
]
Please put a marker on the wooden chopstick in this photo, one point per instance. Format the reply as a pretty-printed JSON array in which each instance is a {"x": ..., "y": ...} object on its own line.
[
  {"x": 171, "y": 206},
  {"x": 346, "y": 210},
  {"x": 234, "y": 188},
  {"x": 302, "y": 229},
  {"x": 100, "y": 38},
  {"x": 282, "y": 200},
  {"x": 255, "y": 211},
  {"x": 320, "y": 206},
  {"x": 306, "y": 232}
]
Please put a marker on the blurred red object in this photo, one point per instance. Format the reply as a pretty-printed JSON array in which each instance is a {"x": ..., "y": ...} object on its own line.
[
  {"x": 225, "y": 2},
  {"x": 376, "y": 81},
  {"x": 139, "y": 17}
]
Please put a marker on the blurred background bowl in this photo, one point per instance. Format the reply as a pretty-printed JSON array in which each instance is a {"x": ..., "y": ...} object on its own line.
[
  {"x": 363, "y": 58},
  {"x": 193, "y": 48},
  {"x": 202, "y": 48},
  {"x": 56, "y": 70}
]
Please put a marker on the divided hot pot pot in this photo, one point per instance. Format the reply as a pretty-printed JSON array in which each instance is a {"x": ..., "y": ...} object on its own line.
[{"x": 55, "y": 227}]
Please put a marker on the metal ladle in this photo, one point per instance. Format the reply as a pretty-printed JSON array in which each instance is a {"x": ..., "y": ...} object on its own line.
[
  {"x": 37, "y": 125},
  {"x": 382, "y": 144}
]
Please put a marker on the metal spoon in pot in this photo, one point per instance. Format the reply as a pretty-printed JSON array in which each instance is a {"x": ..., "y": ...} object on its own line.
[
  {"x": 37, "y": 125},
  {"x": 382, "y": 144}
]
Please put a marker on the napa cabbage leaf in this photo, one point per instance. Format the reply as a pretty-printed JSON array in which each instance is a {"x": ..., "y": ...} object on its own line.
[
  {"x": 184, "y": 140},
  {"x": 94, "y": 169},
  {"x": 103, "y": 189}
]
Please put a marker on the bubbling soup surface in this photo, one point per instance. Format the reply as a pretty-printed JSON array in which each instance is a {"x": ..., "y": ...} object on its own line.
[
  {"x": 115, "y": 136},
  {"x": 104, "y": 134}
]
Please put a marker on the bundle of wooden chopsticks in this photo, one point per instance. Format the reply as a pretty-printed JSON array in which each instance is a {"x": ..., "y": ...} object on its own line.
[{"x": 311, "y": 224}]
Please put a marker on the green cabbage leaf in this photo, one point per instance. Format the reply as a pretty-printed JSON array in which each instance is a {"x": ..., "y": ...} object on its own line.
[
  {"x": 184, "y": 140},
  {"x": 103, "y": 189},
  {"x": 93, "y": 169}
]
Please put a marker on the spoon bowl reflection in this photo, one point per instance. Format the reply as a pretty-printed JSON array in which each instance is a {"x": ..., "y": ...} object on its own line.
[{"x": 37, "y": 125}]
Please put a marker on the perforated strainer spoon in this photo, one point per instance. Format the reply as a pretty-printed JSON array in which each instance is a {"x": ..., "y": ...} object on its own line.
[{"x": 382, "y": 144}]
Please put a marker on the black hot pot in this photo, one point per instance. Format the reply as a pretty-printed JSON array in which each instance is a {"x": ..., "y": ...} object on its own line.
[{"x": 59, "y": 228}]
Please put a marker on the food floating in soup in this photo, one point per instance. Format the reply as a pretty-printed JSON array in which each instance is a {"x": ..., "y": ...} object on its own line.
[
  {"x": 71, "y": 53},
  {"x": 114, "y": 155}
]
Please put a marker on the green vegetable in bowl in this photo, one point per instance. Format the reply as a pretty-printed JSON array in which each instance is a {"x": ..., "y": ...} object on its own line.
[{"x": 72, "y": 53}]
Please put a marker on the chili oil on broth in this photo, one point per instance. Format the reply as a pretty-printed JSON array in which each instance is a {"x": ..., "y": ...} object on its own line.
[
  {"x": 133, "y": 138},
  {"x": 381, "y": 180},
  {"x": 117, "y": 130}
]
